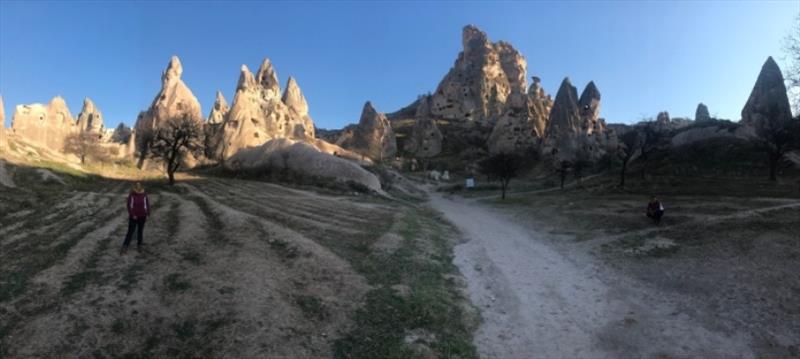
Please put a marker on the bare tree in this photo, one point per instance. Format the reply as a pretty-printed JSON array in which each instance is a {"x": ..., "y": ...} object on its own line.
[
  {"x": 176, "y": 139},
  {"x": 502, "y": 167},
  {"x": 791, "y": 47},
  {"x": 629, "y": 146},
  {"x": 652, "y": 140},
  {"x": 778, "y": 136},
  {"x": 85, "y": 145}
]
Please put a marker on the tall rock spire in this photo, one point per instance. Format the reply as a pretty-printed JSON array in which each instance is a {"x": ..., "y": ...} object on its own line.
[{"x": 268, "y": 79}]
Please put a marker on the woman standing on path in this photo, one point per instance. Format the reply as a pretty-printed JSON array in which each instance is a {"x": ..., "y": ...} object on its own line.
[{"x": 138, "y": 210}]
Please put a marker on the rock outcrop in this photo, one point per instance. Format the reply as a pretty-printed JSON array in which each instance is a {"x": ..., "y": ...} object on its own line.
[
  {"x": 90, "y": 119},
  {"x": 701, "y": 114},
  {"x": 768, "y": 105},
  {"x": 521, "y": 127},
  {"x": 574, "y": 129},
  {"x": 214, "y": 125},
  {"x": 372, "y": 137},
  {"x": 259, "y": 114},
  {"x": 481, "y": 80},
  {"x": 301, "y": 157},
  {"x": 45, "y": 125},
  {"x": 174, "y": 100},
  {"x": 425, "y": 140},
  {"x": 122, "y": 134},
  {"x": 3, "y": 139}
]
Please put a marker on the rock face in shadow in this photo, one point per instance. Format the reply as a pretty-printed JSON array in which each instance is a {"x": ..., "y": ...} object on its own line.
[
  {"x": 425, "y": 140},
  {"x": 574, "y": 130},
  {"x": 214, "y": 125},
  {"x": 45, "y": 125},
  {"x": 301, "y": 157},
  {"x": 174, "y": 100},
  {"x": 768, "y": 105},
  {"x": 90, "y": 119},
  {"x": 259, "y": 114},
  {"x": 701, "y": 114},
  {"x": 372, "y": 137},
  {"x": 522, "y": 126},
  {"x": 481, "y": 80}
]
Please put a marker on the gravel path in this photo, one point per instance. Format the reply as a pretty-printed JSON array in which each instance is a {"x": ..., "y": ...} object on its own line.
[{"x": 538, "y": 301}]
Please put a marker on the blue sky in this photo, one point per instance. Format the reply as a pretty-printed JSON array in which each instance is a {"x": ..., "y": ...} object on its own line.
[{"x": 645, "y": 57}]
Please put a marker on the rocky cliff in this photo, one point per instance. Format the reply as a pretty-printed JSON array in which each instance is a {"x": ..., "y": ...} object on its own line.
[
  {"x": 259, "y": 114},
  {"x": 90, "y": 119},
  {"x": 3, "y": 139},
  {"x": 768, "y": 105},
  {"x": 373, "y": 137},
  {"x": 478, "y": 85},
  {"x": 174, "y": 100},
  {"x": 214, "y": 125},
  {"x": 425, "y": 139},
  {"x": 45, "y": 125}
]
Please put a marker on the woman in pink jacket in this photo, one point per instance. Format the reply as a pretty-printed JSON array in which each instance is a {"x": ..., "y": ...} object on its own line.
[{"x": 138, "y": 210}]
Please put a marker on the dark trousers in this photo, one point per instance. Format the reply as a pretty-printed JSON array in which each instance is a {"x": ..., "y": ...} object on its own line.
[
  {"x": 656, "y": 216},
  {"x": 135, "y": 225}
]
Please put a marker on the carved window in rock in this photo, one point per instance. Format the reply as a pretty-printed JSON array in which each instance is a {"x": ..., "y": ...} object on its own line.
[
  {"x": 255, "y": 135},
  {"x": 254, "y": 121}
]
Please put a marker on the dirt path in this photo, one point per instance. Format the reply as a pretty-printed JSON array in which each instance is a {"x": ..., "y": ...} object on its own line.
[{"x": 538, "y": 301}]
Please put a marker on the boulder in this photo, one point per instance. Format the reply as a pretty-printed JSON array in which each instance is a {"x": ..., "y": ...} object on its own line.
[
  {"x": 301, "y": 157},
  {"x": 768, "y": 105},
  {"x": 701, "y": 114},
  {"x": 259, "y": 114},
  {"x": 484, "y": 75},
  {"x": 425, "y": 140},
  {"x": 45, "y": 125},
  {"x": 90, "y": 119},
  {"x": 174, "y": 100},
  {"x": 372, "y": 137}
]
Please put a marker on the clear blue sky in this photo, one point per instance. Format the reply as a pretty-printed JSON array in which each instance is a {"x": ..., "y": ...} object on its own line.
[{"x": 644, "y": 56}]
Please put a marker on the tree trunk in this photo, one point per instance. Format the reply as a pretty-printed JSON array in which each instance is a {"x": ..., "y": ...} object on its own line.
[
  {"x": 503, "y": 184},
  {"x": 171, "y": 175},
  {"x": 563, "y": 177}
]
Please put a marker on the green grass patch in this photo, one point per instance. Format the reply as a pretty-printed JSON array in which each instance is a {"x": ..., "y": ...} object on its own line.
[{"x": 434, "y": 303}]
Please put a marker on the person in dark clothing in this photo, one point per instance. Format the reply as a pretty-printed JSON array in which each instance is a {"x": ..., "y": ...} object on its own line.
[
  {"x": 655, "y": 210},
  {"x": 138, "y": 210}
]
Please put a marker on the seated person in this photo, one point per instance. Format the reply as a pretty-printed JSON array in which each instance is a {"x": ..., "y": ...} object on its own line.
[{"x": 655, "y": 209}]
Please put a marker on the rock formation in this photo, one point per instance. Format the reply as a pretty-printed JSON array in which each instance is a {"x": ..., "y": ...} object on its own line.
[
  {"x": 258, "y": 113},
  {"x": 174, "y": 100},
  {"x": 522, "y": 125},
  {"x": 45, "y": 125},
  {"x": 482, "y": 78},
  {"x": 574, "y": 129},
  {"x": 701, "y": 114},
  {"x": 122, "y": 134},
  {"x": 90, "y": 119},
  {"x": 768, "y": 105},
  {"x": 214, "y": 125},
  {"x": 302, "y": 157},
  {"x": 372, "y": 137},
  {"x": 425, "y": 140},
  {"x": 3, "y": 139}
]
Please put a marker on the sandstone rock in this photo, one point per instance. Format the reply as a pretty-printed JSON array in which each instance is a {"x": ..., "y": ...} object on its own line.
[
  {"x": 90, "y": 119},
  {"x": 574, "y": 130},
  {"x": 482, "y": 78},
  {"x": 539, "y": 106},
  {"x": 302, "y": 157},
  {"x": 45, "y": 125},
  {"x": 425, "y": 140},
  {"x": 373, "y": 137},
  {"x": 122, "y": 134},
  {"x": 701, "y": 114},
  {"x": 701, "y": 133},
  {"x": 3, "y": 139},
  {"x": 175, "y": 99},
  {"x": 219, "y": 111},
  {"x": 213, "y": 127},
  {"x": 258, "y": 113},
  {"x": 768, "y": 105}
]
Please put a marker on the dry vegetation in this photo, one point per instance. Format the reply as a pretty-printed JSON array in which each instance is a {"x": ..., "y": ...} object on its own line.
[
  {"x": 231, "y": 268},
  {"x": 726, "y": 253}
]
